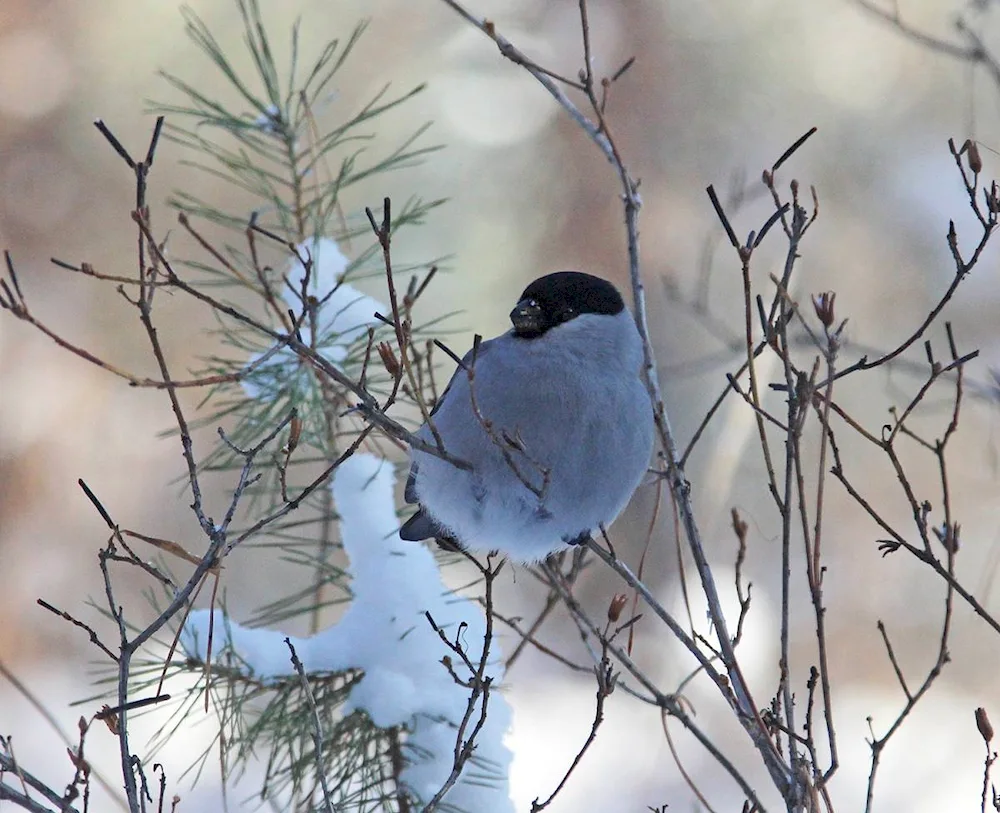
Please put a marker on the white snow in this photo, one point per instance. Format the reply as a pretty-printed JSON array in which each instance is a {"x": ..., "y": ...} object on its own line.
[
  {"x": 328, "y": 267},
  {"x": 384, "y": 632},
  {"x": 343, "y": 319}
]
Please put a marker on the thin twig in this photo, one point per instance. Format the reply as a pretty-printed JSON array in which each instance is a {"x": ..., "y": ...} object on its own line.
[{"x": 316, "y": 729}]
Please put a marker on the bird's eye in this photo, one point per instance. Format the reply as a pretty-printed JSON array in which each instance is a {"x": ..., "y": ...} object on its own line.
[{"x": 566, "y": 314}]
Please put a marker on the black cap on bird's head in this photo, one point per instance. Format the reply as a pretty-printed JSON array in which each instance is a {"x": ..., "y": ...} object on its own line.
[{"x": 556, "y": 298}]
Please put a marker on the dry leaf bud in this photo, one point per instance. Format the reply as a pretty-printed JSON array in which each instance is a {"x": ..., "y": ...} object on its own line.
[
  {"x": 984, "y": 725},
  {"x": 294, "y": 432},
  {"x": 975, "y": 160},
  {"x": 616, "y": 606},
  {"x": 388, "y": 357},
  {"x": 824, "y": 307},
  {"x": 109, "y": 719}
]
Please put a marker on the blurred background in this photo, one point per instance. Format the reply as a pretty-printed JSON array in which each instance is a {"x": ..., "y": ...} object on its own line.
[{"x": 717, "y": 92}]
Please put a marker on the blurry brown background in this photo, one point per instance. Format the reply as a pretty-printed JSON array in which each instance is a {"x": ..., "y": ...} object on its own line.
[{"x": 718, "y": 89}]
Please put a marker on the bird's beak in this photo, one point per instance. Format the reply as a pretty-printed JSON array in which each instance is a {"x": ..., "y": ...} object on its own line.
[{"x": 528, "y": 318}]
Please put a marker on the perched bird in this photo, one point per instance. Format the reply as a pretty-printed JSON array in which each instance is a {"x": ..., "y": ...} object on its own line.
[{"x": 554, "y": 420}]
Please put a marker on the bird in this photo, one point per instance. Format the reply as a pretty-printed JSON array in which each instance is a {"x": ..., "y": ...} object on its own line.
[{"x": 552, "y": 419}]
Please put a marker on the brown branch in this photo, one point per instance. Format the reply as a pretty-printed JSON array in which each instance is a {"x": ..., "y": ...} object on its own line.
[
  {"x": 606, "y": 680},
  {"x": 94, "y": 638},
  {"x": 316, "y": 728},
  {"x": 479, "y": 683}
]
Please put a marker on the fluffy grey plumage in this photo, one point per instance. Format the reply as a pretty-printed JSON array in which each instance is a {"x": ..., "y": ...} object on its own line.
[{"x": 560, "y": 392}]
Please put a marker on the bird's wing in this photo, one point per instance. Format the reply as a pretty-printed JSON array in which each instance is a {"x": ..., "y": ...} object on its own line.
[
  {"x": 410, "y": 492},
  {"x": 484, "y": 348},
  {"x": 419, "y": 526}
]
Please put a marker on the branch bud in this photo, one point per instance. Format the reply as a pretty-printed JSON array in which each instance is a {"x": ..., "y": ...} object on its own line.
[
  {"x": 824, "y": 307},
  {"x": 984, "y": 725},
  {"x": 294, "y": 433},
  {"x": 389, "y": 361},
  {"x": 616, "y": 606},
  {"x": 110, "y": 719},
  {"x": 975, "y": 160}
]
